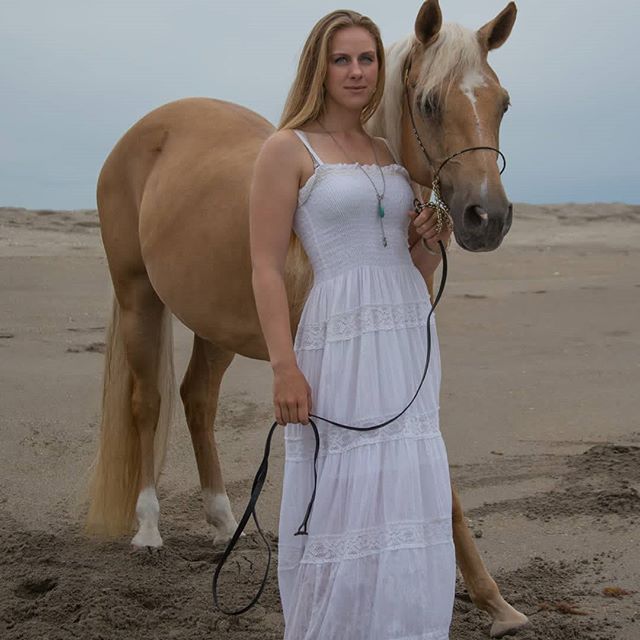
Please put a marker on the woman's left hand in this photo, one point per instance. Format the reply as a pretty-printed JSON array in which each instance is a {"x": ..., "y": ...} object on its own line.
[{"x": 423, "y": 225}]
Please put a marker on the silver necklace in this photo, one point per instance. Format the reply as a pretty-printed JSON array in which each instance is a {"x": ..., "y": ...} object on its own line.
[{"x": 379, "y": 195}]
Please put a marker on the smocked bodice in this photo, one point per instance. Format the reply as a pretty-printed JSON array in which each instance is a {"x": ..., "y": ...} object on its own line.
[{"x": 337, "y": 217}]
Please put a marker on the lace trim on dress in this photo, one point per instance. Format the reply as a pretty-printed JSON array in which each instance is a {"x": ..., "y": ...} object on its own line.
[
  {"x": 345, "y": 326},
  {"x": 391, "y": 536},
  {"x": 335, "y": 440}
]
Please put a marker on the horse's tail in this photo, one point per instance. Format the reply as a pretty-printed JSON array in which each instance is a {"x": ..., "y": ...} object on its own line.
[{"x": 115, "y": 473}]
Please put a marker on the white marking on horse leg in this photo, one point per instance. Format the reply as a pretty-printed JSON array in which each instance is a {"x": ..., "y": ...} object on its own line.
[
  {"x": 217, "y": 509},
  {"x": 506, "y": 620},
  {"x": 148, "y": 513}
]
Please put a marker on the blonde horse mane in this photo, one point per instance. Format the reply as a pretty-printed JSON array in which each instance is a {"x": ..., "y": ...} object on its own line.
[{"x": 455, "y": 51}]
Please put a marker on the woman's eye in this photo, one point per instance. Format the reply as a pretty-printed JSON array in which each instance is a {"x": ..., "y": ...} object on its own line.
[{"x": 341, "y": 59}]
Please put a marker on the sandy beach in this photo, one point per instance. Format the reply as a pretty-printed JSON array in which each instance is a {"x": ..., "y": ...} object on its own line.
[{"x": 540, "y": 412}]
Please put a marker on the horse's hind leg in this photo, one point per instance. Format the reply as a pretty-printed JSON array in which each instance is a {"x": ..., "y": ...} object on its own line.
[
  {"x": 483, "y": 589},
  {"x": 199, "y": 391},
  {"x": 141, "y": 319}
]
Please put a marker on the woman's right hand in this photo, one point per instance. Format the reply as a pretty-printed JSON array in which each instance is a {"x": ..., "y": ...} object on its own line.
[{"x": 291, "y": 396}]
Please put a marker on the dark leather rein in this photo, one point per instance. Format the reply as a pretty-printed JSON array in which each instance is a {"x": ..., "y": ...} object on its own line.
[{"x": 261, "y": 475}]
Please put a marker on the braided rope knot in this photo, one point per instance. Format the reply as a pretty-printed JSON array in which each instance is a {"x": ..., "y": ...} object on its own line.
[{"x": 443, "y": 217}]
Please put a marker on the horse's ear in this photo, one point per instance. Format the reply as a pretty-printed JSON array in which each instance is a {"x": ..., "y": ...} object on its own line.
[
  {"x": 428, "y": 22},
  {"x": 495, "y": 33}
]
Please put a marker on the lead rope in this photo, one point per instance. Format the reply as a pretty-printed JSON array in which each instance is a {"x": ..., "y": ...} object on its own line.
[{"x": 261, "y": 475}]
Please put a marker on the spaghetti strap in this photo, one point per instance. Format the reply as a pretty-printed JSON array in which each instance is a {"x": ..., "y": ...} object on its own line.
[
  {"x": 307, "y": 144},
  {"x": 393, "y": 155}
]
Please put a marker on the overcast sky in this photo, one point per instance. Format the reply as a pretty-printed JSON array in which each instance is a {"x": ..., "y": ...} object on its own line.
[{"x": 75, "y": 74}]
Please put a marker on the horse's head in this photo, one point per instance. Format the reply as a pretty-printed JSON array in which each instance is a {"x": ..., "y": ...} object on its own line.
[{"x": 457, "y": 102}]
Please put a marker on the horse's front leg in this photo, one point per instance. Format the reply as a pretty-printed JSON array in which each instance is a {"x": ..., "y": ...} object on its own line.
[{"x": 483, "y": 589}]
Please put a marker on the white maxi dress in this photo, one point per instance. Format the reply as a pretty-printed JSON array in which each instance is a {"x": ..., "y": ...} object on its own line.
[{"x": 379, "y": 561}]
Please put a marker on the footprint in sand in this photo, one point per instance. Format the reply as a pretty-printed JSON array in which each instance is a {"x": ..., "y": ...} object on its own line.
[
  {"x": 617, "y": 333},
  {"x": 31, "y": 589},
  {"x": 90, "y": 224},
  {"x": 94, "y": 347}
]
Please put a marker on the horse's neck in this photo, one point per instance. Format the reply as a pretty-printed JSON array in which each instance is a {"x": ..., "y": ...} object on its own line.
[{"x": 375, "y": 125}]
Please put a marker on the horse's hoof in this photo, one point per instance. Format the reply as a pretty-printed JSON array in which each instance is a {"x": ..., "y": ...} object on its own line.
[
  {"x": 152, "y": 552},
  {"x": 146, "y": 540},
  {"x": 222, "y": 539},
  {"x": 516, "y": 622}
]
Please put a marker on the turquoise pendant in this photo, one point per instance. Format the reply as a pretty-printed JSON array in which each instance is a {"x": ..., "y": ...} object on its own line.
[{"x": 380, "y": 209}]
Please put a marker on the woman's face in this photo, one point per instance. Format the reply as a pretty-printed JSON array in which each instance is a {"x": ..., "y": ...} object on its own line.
[{"x": 352, "y": 71}]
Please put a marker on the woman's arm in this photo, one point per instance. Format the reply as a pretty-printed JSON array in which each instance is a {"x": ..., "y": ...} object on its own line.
[
  {"x": 421, "y": 225},
  {"x": 424, "y": 261},
  {"x": 272, "y": 204}
]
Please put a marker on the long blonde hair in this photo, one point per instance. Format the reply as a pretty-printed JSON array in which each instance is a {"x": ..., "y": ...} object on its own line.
[{"x": 305, "y": 101}]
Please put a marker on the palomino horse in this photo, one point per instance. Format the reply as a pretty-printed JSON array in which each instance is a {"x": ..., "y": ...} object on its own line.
[{"x": 173, "y": 205}]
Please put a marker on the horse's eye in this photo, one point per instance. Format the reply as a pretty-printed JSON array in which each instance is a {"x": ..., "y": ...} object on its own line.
[
  {"x": 427, "y": 107},
  {"x": 506, "y": 106}
]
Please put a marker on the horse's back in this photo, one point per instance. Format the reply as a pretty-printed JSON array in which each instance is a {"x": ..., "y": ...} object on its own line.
[
  {"x": 198, "y": 137},
  {"x": 173, "y": 199}
]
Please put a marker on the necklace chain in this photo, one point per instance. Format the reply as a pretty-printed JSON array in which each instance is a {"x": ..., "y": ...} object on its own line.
[
  {"x": 379, "y": 195},
  {"x": 375, "y": 155}
]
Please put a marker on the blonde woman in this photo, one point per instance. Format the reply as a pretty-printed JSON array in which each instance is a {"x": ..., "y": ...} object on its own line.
[{"x": 378, "y": 561}]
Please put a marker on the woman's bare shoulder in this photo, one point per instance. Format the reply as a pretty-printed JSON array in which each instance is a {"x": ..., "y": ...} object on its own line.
[{"x": 281, "y": 145}]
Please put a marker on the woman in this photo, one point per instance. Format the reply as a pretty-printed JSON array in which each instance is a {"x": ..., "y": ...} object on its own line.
[{"x": 378, "y": 562}]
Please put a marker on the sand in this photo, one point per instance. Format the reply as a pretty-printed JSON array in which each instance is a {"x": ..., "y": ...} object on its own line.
[{"x": 541, "y": 362}]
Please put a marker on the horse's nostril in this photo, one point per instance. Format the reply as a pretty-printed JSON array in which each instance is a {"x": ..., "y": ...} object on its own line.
[{"x": 475, "y": 217}]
